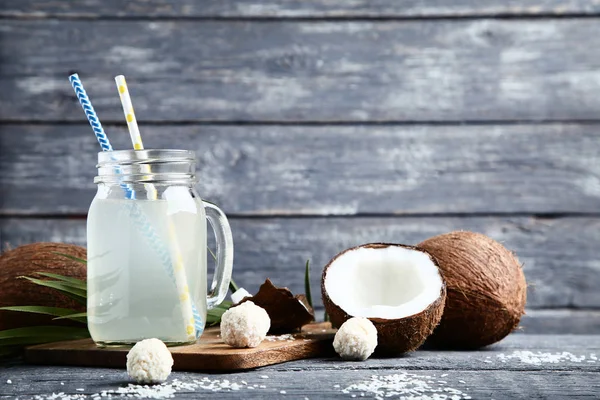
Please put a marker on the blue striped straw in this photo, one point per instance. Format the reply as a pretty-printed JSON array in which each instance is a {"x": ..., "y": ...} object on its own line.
[
  {"x": 138, "y": 217},
  {"x": 92, "y": 117},
  {"x": 89, "y": 112}
]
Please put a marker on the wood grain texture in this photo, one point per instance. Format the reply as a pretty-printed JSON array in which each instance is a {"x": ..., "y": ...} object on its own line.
[
  {"x": 560, "y": 256},
  {"x": 480, "y": 374},
  {"x": 572, "y": 321},
  {"x": 329, "y": 170},
  {"x": 291, "y": 8},
  {"x": 499, "y": 385},
  {"x": 209, "y": 353},
  {"x": 436, "y": 70}
]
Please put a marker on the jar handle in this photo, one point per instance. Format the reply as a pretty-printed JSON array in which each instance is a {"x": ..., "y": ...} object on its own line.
[{"x": 224, "y": 262}]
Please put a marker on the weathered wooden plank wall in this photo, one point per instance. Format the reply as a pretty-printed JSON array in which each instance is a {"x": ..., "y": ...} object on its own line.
[
  {"x": 551, "y": 249},
  {"x": 324, "y": 124},
  {"x": 328, "y": 170},
  {"x": 306, "y": 71},
  {"x": 295, "y": 8}
]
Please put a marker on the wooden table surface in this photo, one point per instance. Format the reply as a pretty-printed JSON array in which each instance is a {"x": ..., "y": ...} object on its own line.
[{"x": 499, "y": 372}]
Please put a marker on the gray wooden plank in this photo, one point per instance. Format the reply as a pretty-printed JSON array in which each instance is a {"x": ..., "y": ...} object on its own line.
[
  {"x": 508, "y": 354},
  {"x": 325, "y": 170},
  {"x": 291, "y": 8},
  {"x": 560, "y": 256},
  {"x": 317, "y": 384},
  {"x": 465, "y": 371},
  {"x": 547, "y": 343},
  {"x": 437, "y": 70},
  {"x": 560, "y": 321}
]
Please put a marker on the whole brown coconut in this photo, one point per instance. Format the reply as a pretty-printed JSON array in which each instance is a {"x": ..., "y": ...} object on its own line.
[
  {"x": 486, "y": 290},
  {"x": 399, "y": 334},
  {"x": 26, "y": 261}
]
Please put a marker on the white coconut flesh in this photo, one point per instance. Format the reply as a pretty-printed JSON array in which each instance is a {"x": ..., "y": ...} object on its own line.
[{"x": 390, "y": 283}]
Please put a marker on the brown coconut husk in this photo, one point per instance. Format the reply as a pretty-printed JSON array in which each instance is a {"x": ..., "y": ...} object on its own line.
[
  {"x": 288, "y": 313},
  {"x": 486, "y": 286},
  {"x": 394, "y": 336},
  {"x": 26, "y": 261}
]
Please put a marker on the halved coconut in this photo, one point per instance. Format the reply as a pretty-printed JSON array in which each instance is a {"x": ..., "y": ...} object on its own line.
[{"x": 398, "y": 287}]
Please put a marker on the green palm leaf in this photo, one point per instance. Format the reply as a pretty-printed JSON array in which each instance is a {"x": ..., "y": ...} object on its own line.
[
  {"x": 26, "y": 341},
  {"x": 226, "y": 304},
  {"x": 70, "y": 257},
  {"x": 62, "y": 313},
  {"x": 80, "y": 317},
  {"x": 45, "y": 333},
  {"x": 307, "y": 283},
  {"x": 67, "y": 280},
  {"x": 76, "y": 294},
  {"x": 213, "y": 316}
]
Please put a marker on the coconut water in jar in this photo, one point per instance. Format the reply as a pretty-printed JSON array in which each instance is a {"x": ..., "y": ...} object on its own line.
[
  {"x": 130, "y": 292},
  {"x": 147, "y": 254}
]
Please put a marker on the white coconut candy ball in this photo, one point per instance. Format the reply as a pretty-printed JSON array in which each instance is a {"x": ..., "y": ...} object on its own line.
[
  {"x": 356, "y": 339},
  {"x": 149, "y": 361},
  {"x": 245, "y": 325}
]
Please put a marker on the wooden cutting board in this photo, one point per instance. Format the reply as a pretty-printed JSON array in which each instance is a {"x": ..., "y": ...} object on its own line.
[{"x": 209, "y": 353}]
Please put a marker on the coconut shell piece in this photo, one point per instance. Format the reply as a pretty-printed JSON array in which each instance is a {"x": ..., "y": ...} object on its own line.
[
  {"x": 26, "y": 261},
  {"x": 288, "y": 313},
  {"x": 394, "y": 336},
  {"x": 486, "y": 286}
]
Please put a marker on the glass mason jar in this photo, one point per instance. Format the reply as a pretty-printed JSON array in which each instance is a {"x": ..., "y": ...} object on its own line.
[{"x": 147, "y": 250}]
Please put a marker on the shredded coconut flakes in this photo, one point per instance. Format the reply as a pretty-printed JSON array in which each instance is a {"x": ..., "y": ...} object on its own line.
[
  {"x": 281, "y": 338},
  {"x": 165, "y": 390},
  {"x": 402, "y": 385},
  {"x": 537, "y": 358},
  {"x": 405, "y": 386}
]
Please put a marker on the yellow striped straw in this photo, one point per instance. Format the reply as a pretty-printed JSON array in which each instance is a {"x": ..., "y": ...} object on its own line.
[
  {"x": 181, "y": 283},
  {"x": 134, "y": 130},
  {"x": 178, "y": 265}
]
